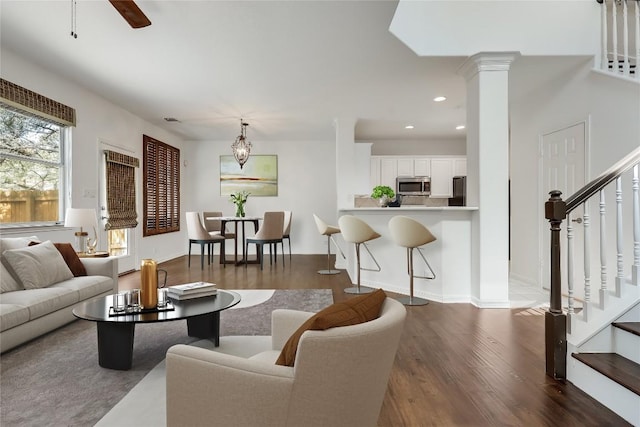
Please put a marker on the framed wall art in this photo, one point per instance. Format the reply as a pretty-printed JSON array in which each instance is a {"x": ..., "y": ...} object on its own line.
[{"x": 259, "y": 176}]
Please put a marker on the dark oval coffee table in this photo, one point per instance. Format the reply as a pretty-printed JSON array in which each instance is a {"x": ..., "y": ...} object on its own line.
[{"x": 115, "y": 333}]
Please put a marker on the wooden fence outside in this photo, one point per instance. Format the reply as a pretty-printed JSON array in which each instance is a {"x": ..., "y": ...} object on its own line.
[{"x": 29, "y": 206}]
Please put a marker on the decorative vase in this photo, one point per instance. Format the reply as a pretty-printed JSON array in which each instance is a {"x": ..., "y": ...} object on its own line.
[
  {"x": 383, "y": 201},
  {"x": 240, "y": 210},
  {"x": 149, "y": 283}
]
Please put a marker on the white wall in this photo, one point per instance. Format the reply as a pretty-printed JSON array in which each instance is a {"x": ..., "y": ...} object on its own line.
[
  {"x": 97, "y": 119},
  {"x": 306, "y": 185},
  {"x": 613, "y": 107}
]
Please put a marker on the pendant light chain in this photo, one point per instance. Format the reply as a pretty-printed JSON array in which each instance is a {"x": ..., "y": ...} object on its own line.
[{"x": 74, "y": 32}]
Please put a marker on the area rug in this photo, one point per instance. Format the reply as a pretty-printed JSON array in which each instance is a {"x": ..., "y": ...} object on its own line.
[{"x": 56, "y": 380}]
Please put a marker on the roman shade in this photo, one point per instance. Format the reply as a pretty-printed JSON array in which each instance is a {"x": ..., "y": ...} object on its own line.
[
  {"x": 121, "y": 190},
  {"x": 26, "y": 101}
]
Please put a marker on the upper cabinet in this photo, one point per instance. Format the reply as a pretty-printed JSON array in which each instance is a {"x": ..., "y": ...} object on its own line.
[{"x": 385, "y": 169}]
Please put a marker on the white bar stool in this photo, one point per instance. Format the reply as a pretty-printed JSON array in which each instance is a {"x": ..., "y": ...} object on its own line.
[
  {"x": 355, "y": 230},
  {"x": 411, "y": 234},
  {"x": 329, "y": 231}
]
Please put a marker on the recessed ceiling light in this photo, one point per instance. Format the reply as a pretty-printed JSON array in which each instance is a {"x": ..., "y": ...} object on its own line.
[
  {"x": 440, "y": 98},
  {"x": 408, "y": 127},
  {"x": 460, "y": 127}
]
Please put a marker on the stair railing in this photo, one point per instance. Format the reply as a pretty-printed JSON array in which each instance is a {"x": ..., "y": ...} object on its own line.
[
  {"x": 556, "y": 211},
  {"x": 620, "y": 21}
]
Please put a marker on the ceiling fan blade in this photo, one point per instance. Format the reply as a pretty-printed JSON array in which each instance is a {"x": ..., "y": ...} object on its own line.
[{"x": 131, "y": 13}]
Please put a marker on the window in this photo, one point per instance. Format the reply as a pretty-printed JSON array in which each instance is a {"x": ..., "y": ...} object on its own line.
[
  {"x": 161, "y": 187},
  {"x": 32, "y": 169}
]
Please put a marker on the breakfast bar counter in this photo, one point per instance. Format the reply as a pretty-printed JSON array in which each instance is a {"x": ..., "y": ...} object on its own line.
[{"x": 449, "y": 255}]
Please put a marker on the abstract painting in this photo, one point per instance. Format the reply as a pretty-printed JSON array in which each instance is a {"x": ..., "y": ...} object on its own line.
[{"x": 259, "y": 176}]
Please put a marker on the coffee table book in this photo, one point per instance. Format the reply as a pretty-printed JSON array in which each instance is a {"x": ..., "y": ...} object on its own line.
[
  {"x": 182, "y": 297},
  {"x": 192, "y": 288}
]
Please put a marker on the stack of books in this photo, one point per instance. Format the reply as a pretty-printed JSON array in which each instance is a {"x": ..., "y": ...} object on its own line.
[{"x": 192, "y": 290}]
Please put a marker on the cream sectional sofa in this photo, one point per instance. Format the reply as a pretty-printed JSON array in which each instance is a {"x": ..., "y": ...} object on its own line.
[{"x": 28, "y": 313}]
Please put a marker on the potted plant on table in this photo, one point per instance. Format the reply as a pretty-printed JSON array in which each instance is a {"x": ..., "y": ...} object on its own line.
[
  {"x": 239, "y": 199},
  {"x": 383, "y": 193}
]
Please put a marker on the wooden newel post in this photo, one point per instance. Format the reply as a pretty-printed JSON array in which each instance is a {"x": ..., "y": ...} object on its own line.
[{"x": 555, "y": 321}]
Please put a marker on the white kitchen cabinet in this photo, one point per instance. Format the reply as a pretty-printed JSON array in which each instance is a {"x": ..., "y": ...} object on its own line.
[
  {"x": 422, "y": 166},
  {"x": 388, "y": 172},
  {"x": 459, "y": 167},
  {"x": 405, "y": 166},
  {"x": 374, "y": 172},
  {"x": 441, "y": 177}
]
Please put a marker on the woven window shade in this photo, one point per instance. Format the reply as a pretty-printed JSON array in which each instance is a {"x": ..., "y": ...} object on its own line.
[
  {"x": 121, "y": 190},
  {"x": 28, "y": 102},
  {"x": 161, "y": 187}
]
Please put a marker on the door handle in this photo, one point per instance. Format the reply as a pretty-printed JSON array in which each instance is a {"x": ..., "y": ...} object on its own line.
[{"x": 578, "y": 220}]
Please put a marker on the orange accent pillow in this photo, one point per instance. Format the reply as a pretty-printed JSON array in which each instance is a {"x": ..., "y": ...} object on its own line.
[
  {"x": 360, "y": 309},
  {"x": 70, "y": 257}
]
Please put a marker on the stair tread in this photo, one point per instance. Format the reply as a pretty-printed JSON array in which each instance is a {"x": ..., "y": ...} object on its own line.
[
  {"x": 633, "y": 327},
  {"x": 618, "y": 368}
]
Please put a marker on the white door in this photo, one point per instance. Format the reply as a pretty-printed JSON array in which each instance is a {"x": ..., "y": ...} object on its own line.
[
  {"x": 120, "y": 243},
  {"x": 563, "y": 168}
]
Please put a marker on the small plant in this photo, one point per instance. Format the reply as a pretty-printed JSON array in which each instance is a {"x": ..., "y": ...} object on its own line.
[
  {"x": 239, "y": 199},
  {"x": 382, "y": 190}
]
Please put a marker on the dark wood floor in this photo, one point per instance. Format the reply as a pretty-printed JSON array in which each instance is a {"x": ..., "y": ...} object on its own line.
[{"x": 457, "y": 365}]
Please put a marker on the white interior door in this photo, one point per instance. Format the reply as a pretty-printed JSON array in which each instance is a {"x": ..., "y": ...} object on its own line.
[{"x": 564, "y": 169}]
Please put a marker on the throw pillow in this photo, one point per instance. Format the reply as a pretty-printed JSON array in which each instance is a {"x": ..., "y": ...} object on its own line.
[
  {"x": 38, "y": 266},
  {"x": 8, "y": 280},
  {"x": 70, "y": 257},
  {"x": 360, "y": 309}
]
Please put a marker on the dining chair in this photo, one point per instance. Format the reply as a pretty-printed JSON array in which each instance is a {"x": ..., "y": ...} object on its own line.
[
  {"x": 287, "y": 231},
  {"x": 199, "y": 235},
  {"x": 214, "y": 228},
  {"x": 270, "y": 232}
]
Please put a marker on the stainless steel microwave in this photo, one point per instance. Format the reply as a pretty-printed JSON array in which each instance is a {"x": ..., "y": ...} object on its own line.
[{"x": 413, "y": 185}]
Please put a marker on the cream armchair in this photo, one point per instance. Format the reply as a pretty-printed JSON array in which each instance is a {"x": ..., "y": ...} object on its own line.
[{"x": 339, "y": 378}]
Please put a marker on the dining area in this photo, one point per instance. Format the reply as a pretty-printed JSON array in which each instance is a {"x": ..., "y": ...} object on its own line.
[{"x": 210, "y": 228}]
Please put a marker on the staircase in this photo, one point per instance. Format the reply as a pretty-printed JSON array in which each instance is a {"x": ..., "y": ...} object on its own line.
[{"x": 596, "y": 346}]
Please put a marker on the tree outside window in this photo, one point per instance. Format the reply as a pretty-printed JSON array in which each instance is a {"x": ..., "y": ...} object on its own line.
[{"x": 31, "y": 169}]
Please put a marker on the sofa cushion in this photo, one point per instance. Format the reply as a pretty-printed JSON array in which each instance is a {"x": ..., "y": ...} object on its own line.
[
  {"x": 86, "y": 286},
  {"x": 70, "y": 258},
  {"x": 12, "y": 315},
  {"x": 41, "y": 301},
  {"x": 360, "y": 309},
  {"x": 38, "y": 266}
]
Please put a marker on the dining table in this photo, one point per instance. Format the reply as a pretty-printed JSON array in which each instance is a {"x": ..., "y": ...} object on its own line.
[{"x": 242, "y": 220}]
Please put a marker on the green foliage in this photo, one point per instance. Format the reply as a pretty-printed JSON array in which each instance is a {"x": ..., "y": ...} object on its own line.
[
  {"x": 239, "y": 199},
  {"x": 382, "y": 190}
]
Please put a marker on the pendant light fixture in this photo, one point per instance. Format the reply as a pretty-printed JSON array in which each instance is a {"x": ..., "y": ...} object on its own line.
[{"x": 241, "y": 147}]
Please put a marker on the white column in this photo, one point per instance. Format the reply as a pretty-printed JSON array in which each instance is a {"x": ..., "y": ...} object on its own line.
[
  {"x": 345, "y": 172},
  {"x": 487, "y": 76}
]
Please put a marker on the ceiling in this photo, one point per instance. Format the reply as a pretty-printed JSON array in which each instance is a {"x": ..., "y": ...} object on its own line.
[{"x": 289, "y": 68}]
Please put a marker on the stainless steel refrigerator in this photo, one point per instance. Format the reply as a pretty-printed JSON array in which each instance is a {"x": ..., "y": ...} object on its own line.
[{"x": 459, "y": 191}]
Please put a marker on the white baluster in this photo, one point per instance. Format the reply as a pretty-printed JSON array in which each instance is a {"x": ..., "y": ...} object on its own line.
[
  {"x": 603, "y": 252},
  {"x": 619, "y": 238},
  {"x": 625, "y": 40},
  {"x": 586, "y": 221},
  {"x": 635, "y": 270},
  {"x": 604, "y": 62},
  {"x": 614, "y": 34},
  {"x": 570, "y": 309}
]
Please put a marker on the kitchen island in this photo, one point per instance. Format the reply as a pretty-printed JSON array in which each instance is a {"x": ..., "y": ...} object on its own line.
[{"x": 449, "y": 255}]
